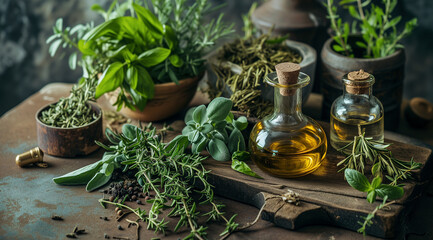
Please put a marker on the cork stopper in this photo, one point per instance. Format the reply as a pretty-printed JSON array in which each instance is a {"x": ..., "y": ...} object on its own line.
[
  {"x": 361, "y": 87},
  {"x": 287, "y": 74}
]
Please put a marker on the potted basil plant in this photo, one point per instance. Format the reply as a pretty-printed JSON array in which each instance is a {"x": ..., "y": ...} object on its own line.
[
  {"x": 148, "y": 62},
  {"x": 369, "y": 41}
]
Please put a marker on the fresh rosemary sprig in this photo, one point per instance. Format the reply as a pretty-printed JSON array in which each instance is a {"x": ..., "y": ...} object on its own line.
[{"x": 382, "y": 159}]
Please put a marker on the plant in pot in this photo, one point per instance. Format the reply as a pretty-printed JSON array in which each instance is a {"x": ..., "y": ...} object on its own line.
[
  {"x": 149, "y": 63},
  {"x": 371, "y": 41}
]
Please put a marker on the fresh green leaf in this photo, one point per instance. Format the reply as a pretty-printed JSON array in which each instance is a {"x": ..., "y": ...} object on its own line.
[
  {"x": 79, "y": 176},
  {"x": 188, "y": 115},
  {"x": 357, "y": 180},
  {"x": 145, "y": 85},
  {"x": 236, "y": 141},
  {"x": 393, "y": 192},
  {"x": 99, "y": 180},
  {"x": 199, "y": 114},
  {"x": 176, "y": 60},
  {"x": 154, "y": 56},
  {"x": 110, "y": 79},
  {"x": 130, "y": 131},
  {"x": 371, "y": 196},
  {"x": 54, "y": 46},
  {"x": 218, "y": 150},
  {"x": 376, "y": 182},
  {"x": 73, "y": 61},
  {"x": 243, "y": 167},
  {"x": 241, "y": 123},
  {"x": 219, "y": 108}
]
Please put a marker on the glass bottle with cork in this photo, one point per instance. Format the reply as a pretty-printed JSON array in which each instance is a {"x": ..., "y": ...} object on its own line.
[
  {"x": 287, "y": 143},
  {"x": 357, "y": 111}
]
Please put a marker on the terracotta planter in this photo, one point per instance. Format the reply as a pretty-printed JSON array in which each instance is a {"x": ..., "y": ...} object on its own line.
[
  {"x": 69, "y": 142},
  {"x": 169, "y": 99},
  {"x": 388, "y": 72},
  {"x": 308, "y": 66}
]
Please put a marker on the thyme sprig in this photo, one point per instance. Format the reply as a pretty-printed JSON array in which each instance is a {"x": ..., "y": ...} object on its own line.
[
  {"x": 382, "y": 159},
  {"x": 169, "y": 174}
]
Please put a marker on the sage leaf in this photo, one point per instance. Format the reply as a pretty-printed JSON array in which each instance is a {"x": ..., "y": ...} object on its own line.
[
  {"x": 97, "y": 181},
  {"x": 188, "y": 115},
  {"x": 236, "y": 141},
  {"x": 241, "y": 123},
  {"x": 199, "y": 114},
  {"x": 357, "y": 180},
  {"x": 219, "y": 108},
  {"x": 79, "y": 176},
  {"x": 73, "y": 61},
  {"x": 130, "y": 131},
  {"x": 218, "y": 150},
  {"x": 54, "y": 46},
  {"x": 207, "y": 128}
]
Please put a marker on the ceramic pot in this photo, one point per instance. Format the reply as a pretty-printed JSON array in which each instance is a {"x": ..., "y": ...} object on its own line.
[
  {"x": 388, "y": 72},
  {"x": 169, "y": 99},
  {"x": 69, "y": 142},
  {"x": 308, "y": 66}
]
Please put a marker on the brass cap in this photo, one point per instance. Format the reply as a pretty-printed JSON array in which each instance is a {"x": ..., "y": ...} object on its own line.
[{"x": 34, "y": 155}]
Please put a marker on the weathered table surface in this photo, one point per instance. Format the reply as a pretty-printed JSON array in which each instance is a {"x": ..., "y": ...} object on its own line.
[{"x": 29, "y": 198}]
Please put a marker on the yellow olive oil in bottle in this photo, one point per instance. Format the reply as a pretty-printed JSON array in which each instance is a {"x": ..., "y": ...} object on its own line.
[
  {"x": 287, "y": 143},
  {"x": 356, "y": 111}
]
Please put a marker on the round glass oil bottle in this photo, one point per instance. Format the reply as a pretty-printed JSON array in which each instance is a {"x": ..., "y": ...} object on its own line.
[
  {"x": 356, "y": 111},
  {"x": 287, "y": 143}
]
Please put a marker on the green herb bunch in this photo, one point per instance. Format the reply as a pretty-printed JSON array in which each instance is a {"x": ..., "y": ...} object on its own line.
[
  {"x": 74, "y": 110},
  {"x": 376, "y": 25},
  {"x": 168, "y": 172},
  {"x": 135, "y": 50},
  {"x": 382, "y": 160},
  {"x": 214, "y": 129}
]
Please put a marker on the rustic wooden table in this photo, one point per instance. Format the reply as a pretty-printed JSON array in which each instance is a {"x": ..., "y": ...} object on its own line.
[{"x": 29, "y": 198}]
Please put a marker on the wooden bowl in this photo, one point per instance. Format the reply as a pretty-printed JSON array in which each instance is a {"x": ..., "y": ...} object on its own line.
[
  {"x": 169, "y": 99},
  {"x": 69, "y": 142}
]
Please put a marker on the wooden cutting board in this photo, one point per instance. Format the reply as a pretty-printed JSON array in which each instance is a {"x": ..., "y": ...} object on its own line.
[{"x": 325, "y": 196}]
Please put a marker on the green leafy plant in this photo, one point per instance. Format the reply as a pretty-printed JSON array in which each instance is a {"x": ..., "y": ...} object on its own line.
[
  {"x": 360, "y": 182},
  {"x": 133, "y": 52},
  {"x": 213, "y": 128},
  {"x": 376, "y": 26}
]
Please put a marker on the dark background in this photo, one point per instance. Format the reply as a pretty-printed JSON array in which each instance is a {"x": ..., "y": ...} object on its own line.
[{"x": 25, "y": 65}]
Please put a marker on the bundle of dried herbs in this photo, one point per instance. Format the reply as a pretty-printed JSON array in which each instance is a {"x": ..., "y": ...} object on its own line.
[
  {"x": 255, "y": 58},
  {"x": 74, "y": 110}
]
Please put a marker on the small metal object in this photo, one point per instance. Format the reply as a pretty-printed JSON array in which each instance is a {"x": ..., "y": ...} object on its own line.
[{"x": 34, "y": 155}]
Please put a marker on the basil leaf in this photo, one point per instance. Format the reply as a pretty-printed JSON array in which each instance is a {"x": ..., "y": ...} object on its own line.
[
  {"x": 218, "y": 150},
  {"x": 150, "y": 20},
  {"x": 357, "y": 180},
  {"x": 199, "y": 114},
  {"x": 371, "y": 196},
  {"x": 111, "y": 79},
  {"x": 236, "y": 141},
  {"x": 175, "y": 60},
  {"x": 154, "y": 56},
  {"x": 393, "y": 192},
  {"x": 376, "y": 182},
  {"x": 240, "y": 166},
  {"x": 145, "y": 85},
  {"x": 219, "y": 108}
]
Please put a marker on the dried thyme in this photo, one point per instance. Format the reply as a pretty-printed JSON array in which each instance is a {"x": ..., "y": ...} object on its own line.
[
  {"x": 74, "y": 110},
  {"x": 256, "y": 58}
]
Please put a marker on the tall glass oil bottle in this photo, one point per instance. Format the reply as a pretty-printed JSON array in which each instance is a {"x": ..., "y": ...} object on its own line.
[
  {"x": 287, "y": 143},
  {"x": 356, "y": 111}
]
